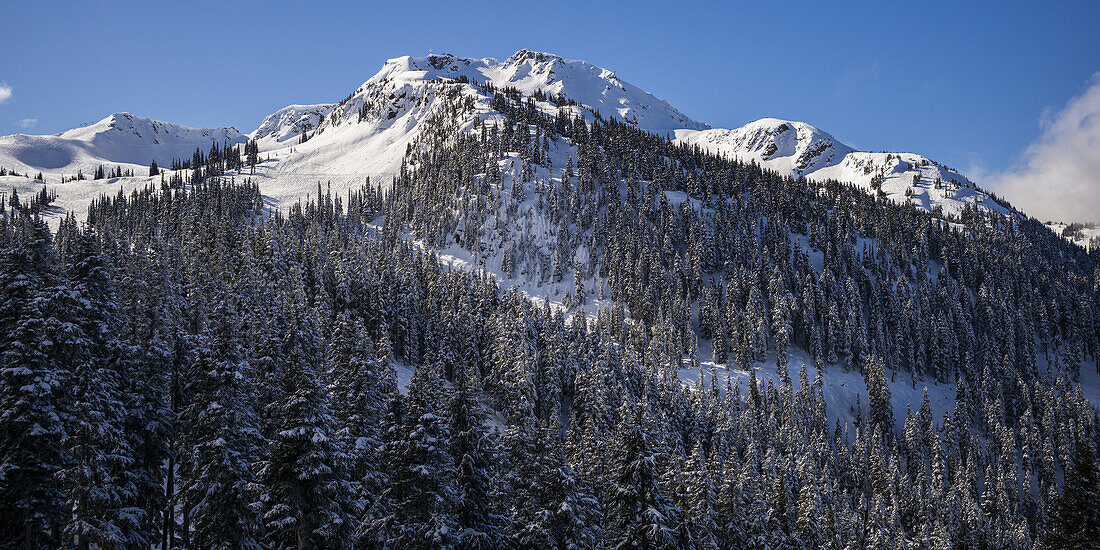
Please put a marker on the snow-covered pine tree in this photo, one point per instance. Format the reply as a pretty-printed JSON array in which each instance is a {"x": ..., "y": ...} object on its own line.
[
  {"x": 101, "y": 498},
  {"x": 478, "y": 516},
  {"x": 878, "y": 395},
  {"x": 307, "y": 496},
  {"x": 699, "y": 514},
  {"x": 640, "y": 514},
  {"x": 360, "y": 387},
  {"x": 1075, "y": 516},
  {"x": 418, "y": 503},
  {"x": 221, "y": 439},
  {"x": 31, "y": 389},
  {"x": 148, "y": 310}
]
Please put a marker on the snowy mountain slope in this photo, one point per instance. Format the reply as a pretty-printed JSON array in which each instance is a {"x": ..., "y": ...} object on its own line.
[
  {"x": 782, "y": 145},
  {"x": 372, "y": 132},
  {"x": 288, "y": 124},
  {"x": 799, "y": 149},
  {"x": 530, "y": 72},
  {"x": 1080, "y": 234},
  {"x": 119, "y": 139},
  {"x": 369, "y": 133},
  {"x": 74, "y": 196}
]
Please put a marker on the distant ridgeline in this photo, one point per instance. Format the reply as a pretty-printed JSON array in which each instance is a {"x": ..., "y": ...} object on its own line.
[{"x": 546, "y": 331}]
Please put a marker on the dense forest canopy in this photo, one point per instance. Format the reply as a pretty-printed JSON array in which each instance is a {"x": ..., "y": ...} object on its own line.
[{"x": 186, "y": 369}]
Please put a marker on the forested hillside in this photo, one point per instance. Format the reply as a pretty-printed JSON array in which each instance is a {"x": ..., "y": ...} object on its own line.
[{"x": 190, "y": 369}]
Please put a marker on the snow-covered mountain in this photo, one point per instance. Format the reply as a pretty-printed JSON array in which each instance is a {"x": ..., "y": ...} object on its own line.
[
  {"x": 1083, "y": 235},
  {"x": 121, "y": 138},
  {"x": 530, "y": 72},
  {"x": 370, "y": 132},
  {"x": 289, "y": 123},
  {"x": 782, "y": 145},
  {"x": 798, "y": 149},
  {"x": 695, "y": 272}
]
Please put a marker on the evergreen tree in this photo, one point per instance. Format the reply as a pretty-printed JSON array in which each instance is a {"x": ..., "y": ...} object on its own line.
[
  {"x": 221, "y": 439},
  {"x": 420, "y": 496},
  {"x": 252, "y": 151},
  {"x": 881, "y": 413},
  {"x": 359, "y": 391},
  {"x": 307, "y": 494},
  {"x": 478, "y": 521},
  {"x": 101, "y": 499},
  {"x": 31, "y": 388},
  {"x": 1075, "y": 516},
  {"x": 641, "y": 516}
]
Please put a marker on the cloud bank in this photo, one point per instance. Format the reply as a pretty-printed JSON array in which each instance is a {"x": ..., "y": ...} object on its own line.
[
  {"x": 1058, "y": 177},
  {"x": 28, "y": 123},
  {"x": 5, "y": 92}
]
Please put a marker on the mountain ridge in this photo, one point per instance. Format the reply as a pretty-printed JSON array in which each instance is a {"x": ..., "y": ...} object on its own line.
[
  {"x": 368, "y": 133},
  {"x": 119, "y": 138},
  {"x": 568, "y": 275},
  {"x": 798, "y": 149}
]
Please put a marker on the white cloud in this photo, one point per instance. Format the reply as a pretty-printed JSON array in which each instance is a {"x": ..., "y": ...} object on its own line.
[
  {"x": 5, "y": 92},
  {"x": 1058, "y": 176},
  {"x": 28, "y": 123}
]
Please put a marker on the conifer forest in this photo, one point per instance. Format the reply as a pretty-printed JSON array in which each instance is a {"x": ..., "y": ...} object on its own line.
[{"x": 185, "y": 366}]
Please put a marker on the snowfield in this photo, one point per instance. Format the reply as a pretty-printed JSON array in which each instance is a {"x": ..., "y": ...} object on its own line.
[
  {"x": 368, "y": 135},
  {"x": 119, "y": 139},
  {"x": 1082, "y": 237},
  {"x": 798, "y": 149},
  {"x": 288, "y": 123}
]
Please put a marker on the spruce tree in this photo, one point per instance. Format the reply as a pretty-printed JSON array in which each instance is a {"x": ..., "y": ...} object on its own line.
[
  {"x": 640, "y": 514},
  {"x": 420, "y": 496},
  {"x": 360, "y": 388},
  {"x": 478, "y": 521},
  {"x": 101, "y": 498},
  {"x": 1075, "y": 516},
  {"x": 221, "y": 440},
  {"x": 31, "y": 390},
  {"x": 878, "y": 395},
  {"x": 308, "y": 498}
]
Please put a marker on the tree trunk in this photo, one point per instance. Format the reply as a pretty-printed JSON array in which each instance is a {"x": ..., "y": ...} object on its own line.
[
  {"x": 28, "y": 531},
  {"x": 170, "y": 504}
]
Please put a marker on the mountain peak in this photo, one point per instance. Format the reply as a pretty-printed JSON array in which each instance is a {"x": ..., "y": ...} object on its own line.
[
  {"x": 533, "y": 56},
  {"x": 142, "y": 127},
  {"x": 117, "y": 138},
  {"x": 530, "y": 72},
  {"x": 798, "y": 149},
  {"x": 289, "y": 122}
]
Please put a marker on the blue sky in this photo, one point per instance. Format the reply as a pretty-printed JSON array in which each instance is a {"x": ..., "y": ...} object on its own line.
[{"x": 962, "y": 82}]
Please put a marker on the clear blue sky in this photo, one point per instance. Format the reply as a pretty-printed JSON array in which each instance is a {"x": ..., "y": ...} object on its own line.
[{"x": 962, "y": 82}]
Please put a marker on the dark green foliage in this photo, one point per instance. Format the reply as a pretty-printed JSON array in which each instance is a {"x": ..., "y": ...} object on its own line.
[
  {"x": 641, "y": 516},
  {"x": 220, "y": 439},
  {"x": 243, "y": 361},
  {"x": 308, "y": 496},
  {"x": 1075, "y": 516},
  {"x": 420, "y": 498},
  {"x": 32, "y": 382}
]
